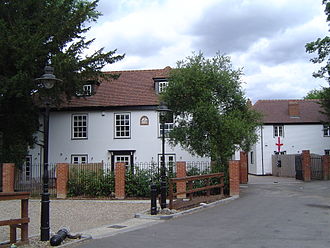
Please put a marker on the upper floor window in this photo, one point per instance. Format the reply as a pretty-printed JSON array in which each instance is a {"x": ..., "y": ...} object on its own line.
[
  {"x": 279, "y": 131},
  {"x": 168, "y": 124},
  {"x": 79, "y": 159},
  {"x": 86, "y": 90},
  {"x": 160, "y": 85},
  {"x": 122, "y": 125},
  {"x": 327, "y": 152},
  {"x": 79, "y": 126},
  {"x": 326, "y": 130}
]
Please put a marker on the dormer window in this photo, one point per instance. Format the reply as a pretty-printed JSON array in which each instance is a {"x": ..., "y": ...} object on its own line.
[
  {"x": 160, "y": 85},
  {"x": 86, "y": 90}
]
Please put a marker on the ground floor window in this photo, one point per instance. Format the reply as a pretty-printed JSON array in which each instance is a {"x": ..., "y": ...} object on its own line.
[
  {"x": 169, "y": 161},
  {"x": 122, "y": 156},
  {"x": 79, "y": 159},
  {"x": 327, "y": 152},
  {"x": 27, "y": 168}
]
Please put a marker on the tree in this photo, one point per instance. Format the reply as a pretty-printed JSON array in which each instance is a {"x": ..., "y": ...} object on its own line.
[
  {"x": 322, "y": 47},
  {"x": 33, "y": 34},
  {"x": 314, "y": 94},
  {"x": 213, "y": 118}
]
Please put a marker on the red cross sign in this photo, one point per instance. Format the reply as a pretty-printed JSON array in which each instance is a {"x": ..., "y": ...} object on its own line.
[{"x": 278, "y": 144}]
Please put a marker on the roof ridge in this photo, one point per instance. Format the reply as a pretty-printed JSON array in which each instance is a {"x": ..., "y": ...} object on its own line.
[
  {"x": 139, "y": 70},
  {"x": 286, "y": 100}
]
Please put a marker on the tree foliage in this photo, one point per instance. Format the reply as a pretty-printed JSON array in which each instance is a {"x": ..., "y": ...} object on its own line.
[
  {"x": 213, "y": 118},
  {"x": 33, "y": 34},
  {"x": 322, "y": 47},
  {"x": 314, "y": 94}
]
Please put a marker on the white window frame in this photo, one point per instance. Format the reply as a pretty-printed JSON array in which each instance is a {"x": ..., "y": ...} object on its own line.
[
  {"x": 126, "y": 159},
  {"x": 79, "y": 159},
  {"x": 278, "y": 130},
  {"x": 27, "y": 168},
  {"x": 79, "y": 128},
  {"x": 162, "y": 86},
  {"x": 86, "y": 90},
  {"x": 251, "y": 157},
  {"x": 327, "y": 152},
  {"x": 326, "y": 130},
  {"x": 122, "y": 125},
  {"x": 168, "y": 127}
]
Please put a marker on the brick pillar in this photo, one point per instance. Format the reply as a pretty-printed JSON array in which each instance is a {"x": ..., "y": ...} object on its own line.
[
  {"x": 62, "y": 177},
  {"x": 306, "y": 165},
  {"x": 120, "y": 170},
  {"x": 234, "y": 173},
  {"x": 243, "y": 164},
  {"x": 8, "y": 177},
  {"x": 181, "y": 172},
  {"x": 325, "y": 166}
]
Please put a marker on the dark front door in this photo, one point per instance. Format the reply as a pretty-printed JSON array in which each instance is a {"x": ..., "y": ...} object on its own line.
[{"x": 298, "y": 166}]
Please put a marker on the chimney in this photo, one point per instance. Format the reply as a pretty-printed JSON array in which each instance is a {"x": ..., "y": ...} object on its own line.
[{"x": 294, "y": 110}]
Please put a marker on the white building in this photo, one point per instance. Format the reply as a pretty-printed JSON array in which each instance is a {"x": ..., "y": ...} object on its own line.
[
  {"x": 289, "y": 126},
  {"x": 114, "y": 121}
]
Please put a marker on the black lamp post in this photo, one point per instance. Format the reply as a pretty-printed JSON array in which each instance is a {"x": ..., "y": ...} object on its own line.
[
  {"x": 163, "y": 110},
  {"x": 47, "y": 81}
]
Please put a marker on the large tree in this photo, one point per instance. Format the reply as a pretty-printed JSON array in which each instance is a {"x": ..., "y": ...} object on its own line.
[
  {"x": 33, "y": 34},
  {"x": 322, "y": 47},
  {"x": 213, "y": 117}
]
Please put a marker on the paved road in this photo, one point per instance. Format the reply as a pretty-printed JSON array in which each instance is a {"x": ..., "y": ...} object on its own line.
[{"x": 285, "y": 214}]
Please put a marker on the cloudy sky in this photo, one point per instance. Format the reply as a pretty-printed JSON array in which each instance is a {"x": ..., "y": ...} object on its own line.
[{"x": 266, "y": 38}]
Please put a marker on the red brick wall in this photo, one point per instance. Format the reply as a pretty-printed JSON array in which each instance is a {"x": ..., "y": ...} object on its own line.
[
  {"x": 326, "y": 167},
  {"x": 120, "y": 170},
  {"x": 181, "y": 172},
  {"x": 306, "y": 165},
  {"x": 8, "y": 177},
  {"x": 243, "y": 163},
  {"x": 234, "y": 175},
  {"x": 62, "y": 177}
]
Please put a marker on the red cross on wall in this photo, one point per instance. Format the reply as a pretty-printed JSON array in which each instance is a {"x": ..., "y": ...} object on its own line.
[{"x": 278, "y": 144}]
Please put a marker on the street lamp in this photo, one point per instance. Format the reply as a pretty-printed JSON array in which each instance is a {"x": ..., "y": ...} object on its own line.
[
  {"x": 47, "y": 81},
  {"x": 163, "y": 110}
]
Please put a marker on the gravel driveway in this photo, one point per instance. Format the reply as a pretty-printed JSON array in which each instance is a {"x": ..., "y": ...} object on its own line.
[{"x": 78, "y": 215}]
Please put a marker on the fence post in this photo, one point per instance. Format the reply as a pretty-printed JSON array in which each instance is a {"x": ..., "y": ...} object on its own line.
[
  {"x": 325, "y": 166},
  {"x": 62, "y": 177},
  {"x": 181, "y": 171},
  {"x": 243, "y": 164},
  {"x": 306, "y": 165},
  {"x": 234, "y": 172},
  {"x": 120, "y": 169},
  {"x": 8, "y": 177}
]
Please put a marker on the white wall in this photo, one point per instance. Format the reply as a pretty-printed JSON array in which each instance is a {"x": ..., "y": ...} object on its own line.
[
  {"x": 144, "y": 139},
  {"x": 296, "y": 138}
]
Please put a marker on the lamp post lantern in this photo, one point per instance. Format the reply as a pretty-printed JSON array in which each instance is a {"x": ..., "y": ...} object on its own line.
[
  {"x": 163, "y": 110},
  {"x": 47, "y": 81}
]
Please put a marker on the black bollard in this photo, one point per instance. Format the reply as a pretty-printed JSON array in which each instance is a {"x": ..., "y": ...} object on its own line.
[
  {"x": 59, "y": 237},
  {"x": 154, "y": 192}
]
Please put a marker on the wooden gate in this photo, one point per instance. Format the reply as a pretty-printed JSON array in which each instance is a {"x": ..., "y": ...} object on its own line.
[{"x": 298, "y": 167}]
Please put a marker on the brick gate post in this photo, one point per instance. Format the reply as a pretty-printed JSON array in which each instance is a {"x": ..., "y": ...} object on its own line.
[
  {"x": 243, "y": 164},
  {"x": 120, "y": 170},
  {"x": 181, "y": 171},
  {"x": 8, "y": 177},
  {"x": 326, "y": 166},
  {"x": 62, "y": 177},
  {"x": 306, "y": 165},
  {"x": 234, "y": 172}
]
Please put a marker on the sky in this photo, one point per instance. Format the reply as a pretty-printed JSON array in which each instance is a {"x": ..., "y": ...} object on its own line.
[{"x": 265, "y": 38}]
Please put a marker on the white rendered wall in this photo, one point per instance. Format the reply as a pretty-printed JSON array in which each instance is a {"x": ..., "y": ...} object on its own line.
[
  {"x": 144, "y": 138},
  {"x": 296, "y": 138}
]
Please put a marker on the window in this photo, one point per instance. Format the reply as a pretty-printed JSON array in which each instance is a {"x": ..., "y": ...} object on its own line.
[
  {"x": 162, "y": 86},
  {"x": 79, "y": 159},
  {"x": 27, "y": 169},
  {"x": 86, "y": 90},
  {"x": 326, "y": 130},
  {"x": 279, "y": 131},
  {"x": 251, "y": 158},
  {"x": 126, "y": 159},
  {"x": 168, "y": 124},
  {"x": 326, "y": 152},
  {"x": 169, "y": 161},
  {"x": 79, "y": 126},
  {"x": 122, "y": 125}
]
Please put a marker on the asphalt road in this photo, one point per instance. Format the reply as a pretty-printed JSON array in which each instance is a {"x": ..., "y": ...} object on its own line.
[{"x": 269, "y": 213}]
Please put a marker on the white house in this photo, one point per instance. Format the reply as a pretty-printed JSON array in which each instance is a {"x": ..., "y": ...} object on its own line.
[
  {"x": 289, "y": 126},
  {"x": 113, "y": 121}
]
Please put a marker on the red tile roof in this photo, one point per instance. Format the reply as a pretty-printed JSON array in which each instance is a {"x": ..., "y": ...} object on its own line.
[
  {"x": 277, "y": 111},
  {"x": 132, "y": 88}
]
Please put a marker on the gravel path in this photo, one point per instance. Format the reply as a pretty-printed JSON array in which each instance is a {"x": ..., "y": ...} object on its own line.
[{"x": 78, "y": 215}]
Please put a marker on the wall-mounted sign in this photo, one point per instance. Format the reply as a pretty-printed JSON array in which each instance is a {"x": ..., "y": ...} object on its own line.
[{"x": 144, "y": 121}]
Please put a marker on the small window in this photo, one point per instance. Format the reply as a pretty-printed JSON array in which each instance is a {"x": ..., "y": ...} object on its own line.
[
  {"x": 126, "y": 159},
  {"x": 251, "y": 158},
  {"x": 326, "y": 130},
  {"x": 327, "y": 152},
  {"x": 168, "y": 124},
  {"x": 122, "y": 125},
  {"x": 28, "y": 164},
  {"x": 279, "y": 131},
  {"x": 86, "y": 90},
  {"x": 79, "y": 159},
  {"x": 79, "y": 126},
  {"x": 162, "y": 86}
]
